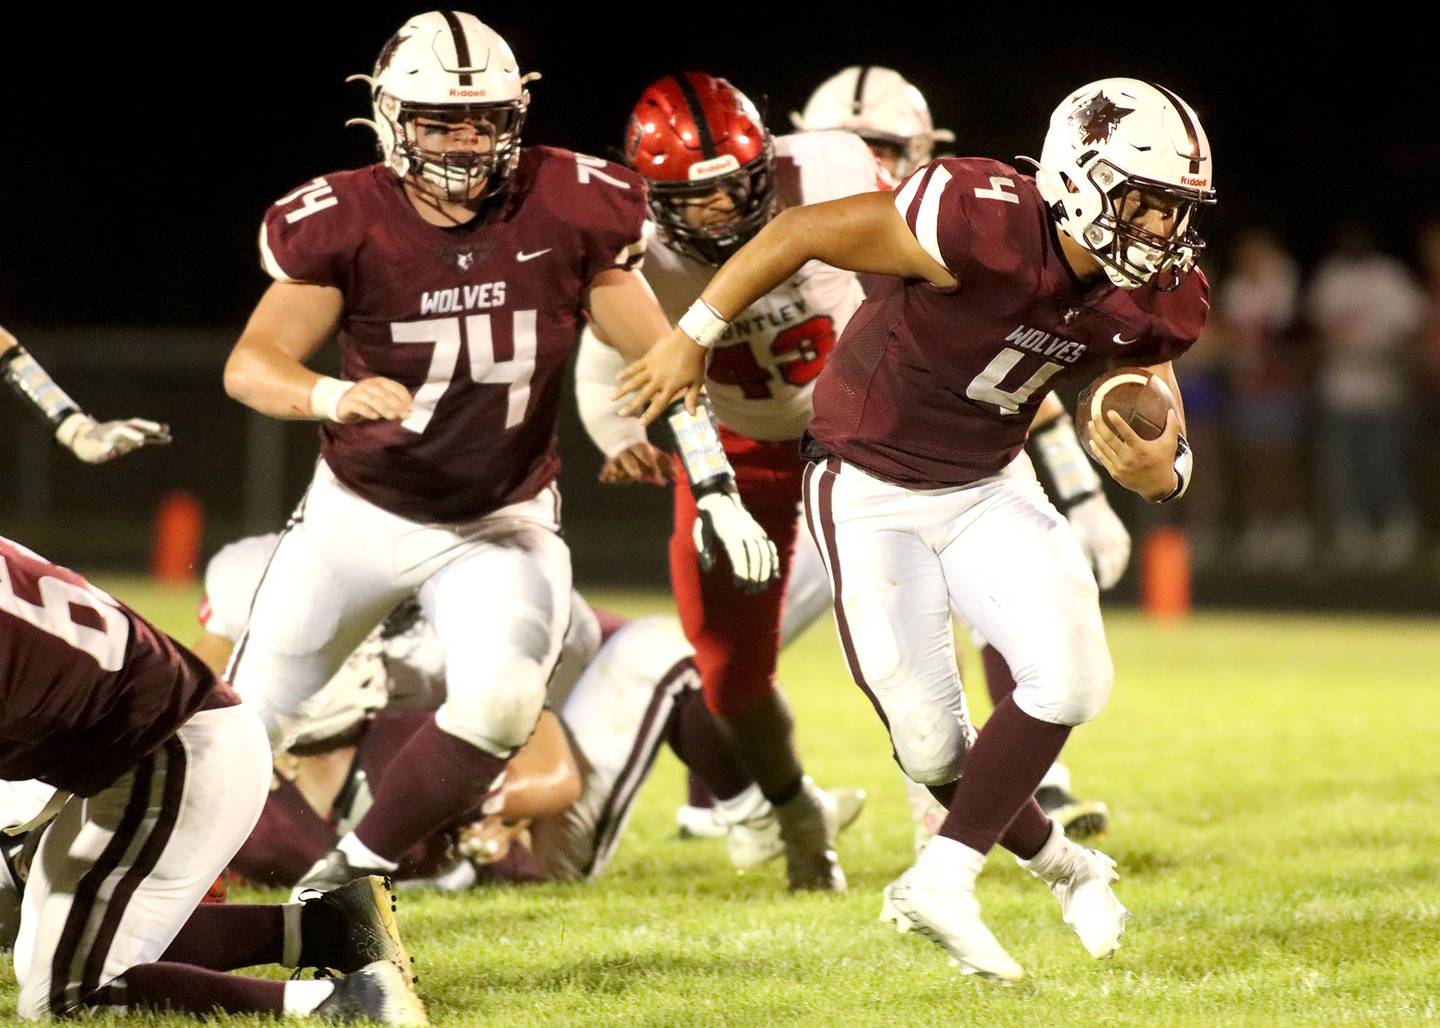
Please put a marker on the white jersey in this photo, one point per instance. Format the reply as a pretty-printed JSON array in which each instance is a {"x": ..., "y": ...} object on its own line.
[{"x": 762, "y": 371}]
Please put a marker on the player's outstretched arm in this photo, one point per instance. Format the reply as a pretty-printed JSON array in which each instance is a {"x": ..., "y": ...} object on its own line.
[
  {"x": 863, "y": 233},
  {"x": 266, "y": 370},
  {"x": 1075, "y": 489},
  {"x": 1159, "y": 469},
  {"x": 627, "y": 316},
  {"x": 92, "y": 441}
]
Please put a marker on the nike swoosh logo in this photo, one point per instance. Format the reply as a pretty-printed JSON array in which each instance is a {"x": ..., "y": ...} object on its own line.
[
  {"x": 1123, "y": 342},
  {"x": 521, "y": 256}
]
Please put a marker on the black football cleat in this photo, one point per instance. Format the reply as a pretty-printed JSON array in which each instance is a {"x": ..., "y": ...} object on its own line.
[
  {"x": 330, "y": 872},
  {"x": 376, "y": 993},
  {"x": 352, "y": 926},
  {"x": 1081, "y": 819}
]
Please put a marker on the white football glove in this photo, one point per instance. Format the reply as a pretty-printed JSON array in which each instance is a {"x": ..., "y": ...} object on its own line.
[
  {"x": 95, "y": 442},
  {"x": 1102, "y": 537},
  {"x": 753, "y": 557}
]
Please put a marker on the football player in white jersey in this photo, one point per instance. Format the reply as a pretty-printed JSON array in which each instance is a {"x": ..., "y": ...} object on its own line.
[
  {"x": 882, "y": 108},
  {"x": 716, "y": 177}
]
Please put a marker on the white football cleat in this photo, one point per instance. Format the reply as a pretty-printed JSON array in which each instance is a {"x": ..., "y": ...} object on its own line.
[
  {"x": 699, "y": 823},
  {"x": 1080, "y": 879},
  {"x": 935, "y": 899}
]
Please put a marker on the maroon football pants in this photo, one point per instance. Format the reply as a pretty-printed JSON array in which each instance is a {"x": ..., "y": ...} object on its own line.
[{"x": 736, "y": 635}]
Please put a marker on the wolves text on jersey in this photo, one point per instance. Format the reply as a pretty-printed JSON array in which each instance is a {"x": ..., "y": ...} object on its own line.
[
  {"x": 1045, "y": 344},
  {"x": 479, "y": 297}
]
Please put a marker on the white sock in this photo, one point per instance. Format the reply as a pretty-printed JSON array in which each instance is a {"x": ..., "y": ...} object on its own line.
[
  {"x": 361, "y": 855},
  {"x": 302, "y": 997},
  {"x": 749, "y": 803},
  {"x": 951, "y": 861},
  {"x": 290, "y": 948}
]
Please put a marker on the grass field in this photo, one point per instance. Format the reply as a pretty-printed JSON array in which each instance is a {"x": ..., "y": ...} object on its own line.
[{"x": 1274, "y": 788}]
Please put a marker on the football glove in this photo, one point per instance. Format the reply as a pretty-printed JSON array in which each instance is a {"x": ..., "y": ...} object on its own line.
[
  {"x": 722, "y": 522},
  {"x": 95, "y": 442},
  {"x": 1102, "y": 537}
]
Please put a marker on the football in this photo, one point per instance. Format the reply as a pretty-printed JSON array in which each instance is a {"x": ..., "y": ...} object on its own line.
[{"x": 1140, "y": 397}]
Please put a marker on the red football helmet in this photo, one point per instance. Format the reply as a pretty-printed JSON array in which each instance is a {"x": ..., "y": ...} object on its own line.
[{"x": 700, "y": 143}]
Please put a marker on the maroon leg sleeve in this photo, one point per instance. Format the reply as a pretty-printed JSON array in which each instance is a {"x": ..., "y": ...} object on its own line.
[
  {"x": 286, "y": 841},
  {"x": 385, "y": 736},
  {"x": 698, "y": 743},
  {"x": 1007, "y": 762},
  {"x": 194, "y": 990},
  {"x": 432, "y": 780},
  {"x": 1028, "y": 832},
  {"x": 224, "y": 936},
  {"x": 696, "y": 794},
  {"x": 998, "y": 678}
]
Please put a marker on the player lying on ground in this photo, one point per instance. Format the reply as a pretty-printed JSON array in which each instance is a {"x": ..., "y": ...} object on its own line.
[
  {"x": 621, "y": 690},
  {"x": 92, "y": 441},
  {"x": 136, "y": 777},
  {"x": 454, "y": 275},
  {"x": 1002, "y": 286}
]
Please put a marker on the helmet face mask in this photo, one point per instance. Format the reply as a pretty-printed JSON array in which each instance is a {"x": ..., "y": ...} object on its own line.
[
  {"x": 458, "y": 174},
  {"x": 1126, "y": 247},
  {"x": 709, "y": 163},
  {"x": 449, "y": 103},
  {"x": 1125, "y": 170},
  {"x": 750, "y": 192}
]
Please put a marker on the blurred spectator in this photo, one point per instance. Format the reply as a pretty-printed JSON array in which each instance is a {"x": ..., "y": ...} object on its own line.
[
  {"x": 1429, "y": 405},
  {"x": 1201, "y": 375},
  {"x": 1366, "y": 311},
  {"x": 1256, "y": 315}
]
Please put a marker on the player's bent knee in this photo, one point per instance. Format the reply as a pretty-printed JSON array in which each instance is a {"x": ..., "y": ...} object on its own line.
[
  {"x": 1076, "y": 692},
  {"x": 499, "y": 714},
  {"x": 931, "y": 744}
]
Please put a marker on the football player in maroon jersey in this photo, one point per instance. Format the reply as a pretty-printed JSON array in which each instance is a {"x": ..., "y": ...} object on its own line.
[
  {"x": 715, "y": 178},
  {"x": 155, "y": 774},
  {"x": 94, "y": 442},
  {"x": 1001, "y": 285},
  {"x": 457, "y": 272}
]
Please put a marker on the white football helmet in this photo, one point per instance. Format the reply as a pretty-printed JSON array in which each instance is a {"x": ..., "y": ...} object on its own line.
[
  {"x": 450, "y": 67},
  {"x": 879, "y": 106},
  {"x": 1116, "y": 137}
]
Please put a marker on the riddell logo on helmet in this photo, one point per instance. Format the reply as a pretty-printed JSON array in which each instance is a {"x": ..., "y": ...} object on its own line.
[
  {"x": 467, "y": 92},
  {"x": 1190, "y": 180},
  {"x": 715, "y": 166}
]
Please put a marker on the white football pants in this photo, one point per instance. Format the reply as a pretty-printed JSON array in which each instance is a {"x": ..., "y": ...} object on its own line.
[
  {"x": 119, "y": 873},
  {"x": 495, "y": 590},
  {"x": 997, "y": 553}
]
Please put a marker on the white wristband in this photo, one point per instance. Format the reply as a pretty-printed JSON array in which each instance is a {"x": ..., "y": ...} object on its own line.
[
  {"x": 325, "y": 397},
  {"x": 702, "y": 324}
]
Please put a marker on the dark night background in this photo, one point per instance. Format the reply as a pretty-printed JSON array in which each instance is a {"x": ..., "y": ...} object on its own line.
[{"x": 142, "y": 149}]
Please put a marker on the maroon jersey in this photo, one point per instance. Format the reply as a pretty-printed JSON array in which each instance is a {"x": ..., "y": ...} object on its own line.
[
  {"x": 87, "y": 686},
  {"x": 937, "y": 387},
  {"x": 476, "y": 321}
]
